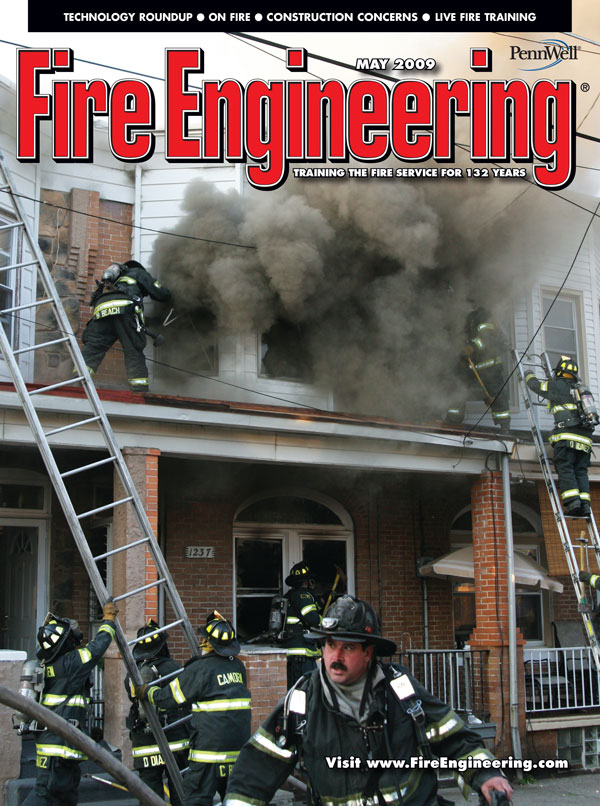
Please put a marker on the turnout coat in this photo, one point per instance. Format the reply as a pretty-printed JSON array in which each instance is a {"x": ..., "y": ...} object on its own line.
[{"x": 334, "y": 749}]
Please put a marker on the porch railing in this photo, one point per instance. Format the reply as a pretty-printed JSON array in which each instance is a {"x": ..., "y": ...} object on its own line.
[
  {"x": 453, "y": 675},
  {"x": 560, "y": 679}
]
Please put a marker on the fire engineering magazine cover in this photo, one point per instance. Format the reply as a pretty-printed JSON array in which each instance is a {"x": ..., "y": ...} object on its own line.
[{"x": 331, "y": 195}]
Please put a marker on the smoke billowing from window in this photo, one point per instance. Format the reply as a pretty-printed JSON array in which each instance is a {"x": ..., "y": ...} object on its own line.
[{"x": 379, "y": 276}]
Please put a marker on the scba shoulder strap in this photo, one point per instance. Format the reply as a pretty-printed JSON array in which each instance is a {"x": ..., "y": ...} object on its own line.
[{"x": 403, "y": 690}]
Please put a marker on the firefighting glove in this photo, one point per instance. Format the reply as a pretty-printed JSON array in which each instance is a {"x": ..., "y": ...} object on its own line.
[
  {"x": 110, "y": 611},
  {"x": 141, "y": 691},
  {"x": 585, "y": 576}
]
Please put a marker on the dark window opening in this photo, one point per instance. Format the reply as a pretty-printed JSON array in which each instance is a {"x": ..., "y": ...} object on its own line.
[{"x": 283, "y": 353}]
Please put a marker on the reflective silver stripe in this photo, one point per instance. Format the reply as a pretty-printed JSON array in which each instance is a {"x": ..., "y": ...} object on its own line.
[
  {"x": 262, "y": 741},
  {"x": 107, "y": 628},
  {"x": 207, "y": 757},
  {"x": 139, "y": 752},
  {"x": 441, "y": 728},
  {"x": 303, "y": 651},
  {"x": 58, "y": 750},
  {"x": 176, "y": 691},
  {"x": 543, "y": 386},
  {"x": 585, "y": 496},
  {"x": 570, "y": 493},
  {"x": 221, "y": 705},
  {"x": 478, "y": 343},
  {"x": 569, "y": 406},
  {"x": 486, "y": 326},
  {"x": 292, "y": 620},
  {"x": 308, "y": 608},
  {"x": 126, "y": 279},
  {"x": 238, "y": 800},
  {"x": 59, "y": 699},
  {"x": 572, "y": 437},
  {"x": 85, "y": 655},
  {"x": 113, "y": 303}
]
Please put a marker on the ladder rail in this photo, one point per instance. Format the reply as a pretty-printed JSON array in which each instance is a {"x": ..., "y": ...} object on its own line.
[
  {"x": 115, "y": 455},
  {"x": 559, "y": 516}
]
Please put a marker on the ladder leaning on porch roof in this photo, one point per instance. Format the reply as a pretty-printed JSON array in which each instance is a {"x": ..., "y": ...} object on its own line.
[
  {"x": 583, "y": 603},
  {"x": 97, "y": 418}
]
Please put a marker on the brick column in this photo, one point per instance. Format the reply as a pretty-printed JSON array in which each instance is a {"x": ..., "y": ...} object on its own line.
[
  {"x": 131, "y": 570},
  {"x": 491, "y": 607}
]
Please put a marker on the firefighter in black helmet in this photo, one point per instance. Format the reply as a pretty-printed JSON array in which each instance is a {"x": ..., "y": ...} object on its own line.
[
  {"x": 482, "y": 368},
  {"x": 214, "y": 683},
  {"x": 570, "y": 438},
  {"x": 118, "y": 313},
  {"x": 353, "y": 708},
  {"x": 67, "y": 668},
  {"x": 302, "y": 615},
  {"x": 154, "y": 661}
]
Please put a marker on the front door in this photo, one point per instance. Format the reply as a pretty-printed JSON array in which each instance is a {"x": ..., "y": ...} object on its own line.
[{"x": 19, "y": 574}]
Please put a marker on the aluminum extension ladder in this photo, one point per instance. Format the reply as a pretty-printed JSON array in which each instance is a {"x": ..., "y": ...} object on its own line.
[
  {"x": 98, "y": 417},
  {"x": 584, "y": 605}
]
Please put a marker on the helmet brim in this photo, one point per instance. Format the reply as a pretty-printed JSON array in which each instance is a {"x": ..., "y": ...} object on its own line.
[{"x": 383, "y": 646}]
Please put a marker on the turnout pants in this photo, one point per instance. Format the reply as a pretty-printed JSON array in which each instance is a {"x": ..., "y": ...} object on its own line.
[
  {"x": 100, "y": 335},
  {"x": 202, "y": 781},
  {"x": 153, "y": 778},
  {"x": 572, "y": 470},
  {"x": 56, "y": 784}
]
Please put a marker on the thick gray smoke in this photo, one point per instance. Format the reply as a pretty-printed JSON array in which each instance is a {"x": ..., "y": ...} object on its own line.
[{"x": 378, "y": 277}]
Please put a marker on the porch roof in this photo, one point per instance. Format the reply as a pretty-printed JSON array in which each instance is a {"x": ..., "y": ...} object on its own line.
[{"x": 234, "y": 431}]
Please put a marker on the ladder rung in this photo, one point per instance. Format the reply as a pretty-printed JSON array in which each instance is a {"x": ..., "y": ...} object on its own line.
[
  {"x": 110, "y": 553},
  {"x": 72, "y": 425},
  {"x": 11, "y": 226},
  {"x": 19, "y": 265},
  {"x": 43, "y": 389},
  {"x": 35, "y": 304},
  {"x": 112, "y": 505},
  {"x": 181, "y": 721},
  {"x": 156, "y": 632},
  {"x": 166, "y": 677},
  {"x": 83, "y": 468},
  {"x": 40, "y": 346},
  {"x": 133, "y": 592}
]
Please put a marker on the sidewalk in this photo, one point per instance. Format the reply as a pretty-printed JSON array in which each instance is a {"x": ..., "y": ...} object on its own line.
[{"x": 576, "y": 789}]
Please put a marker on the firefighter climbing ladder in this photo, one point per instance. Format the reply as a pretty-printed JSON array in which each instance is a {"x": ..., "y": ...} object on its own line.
[
  {"x": 96, "y": 418},
  {"x": 583, "y": 604}
]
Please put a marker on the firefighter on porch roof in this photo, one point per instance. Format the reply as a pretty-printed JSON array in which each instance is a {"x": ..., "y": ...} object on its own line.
[
  {"x": 118, "y": 313},
  {"x": 482, "y": 367}
]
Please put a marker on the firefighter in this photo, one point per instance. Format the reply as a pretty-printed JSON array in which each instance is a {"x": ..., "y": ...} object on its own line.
[
  {"x": 571, "y": 440},
  {"x": 354, "y": 708},
  {"x": 482, "y": 366},
  {"x": 154, "y": 661},
  {"x": 67, "y": 669},
  {"x": 214, "y": 683},
  {"x": 118, "y": 313},
  {"x": 302, "y": 615}
]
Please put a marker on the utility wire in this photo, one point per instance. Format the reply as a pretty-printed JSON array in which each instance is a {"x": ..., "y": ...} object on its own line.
[
  {"x": 556, "y": 296},
  {"x": 212, "y": 378},
  {"x": 124, "y": 223}
]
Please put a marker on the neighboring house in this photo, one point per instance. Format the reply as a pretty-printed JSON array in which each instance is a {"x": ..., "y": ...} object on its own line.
[{"x": 258, "y": 483}]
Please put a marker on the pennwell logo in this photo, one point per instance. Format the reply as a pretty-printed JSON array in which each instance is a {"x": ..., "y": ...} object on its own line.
[{"x": 555, "y": 52}]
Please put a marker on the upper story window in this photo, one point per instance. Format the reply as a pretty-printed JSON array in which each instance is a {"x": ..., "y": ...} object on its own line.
[
  {"x": 283, "y": 353},
  {"x": 561, "y": 327},
  {"x": 9, "y": 240}
]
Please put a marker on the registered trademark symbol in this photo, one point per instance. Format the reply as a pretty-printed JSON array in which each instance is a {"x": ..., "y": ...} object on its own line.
[{"x": 585, "y": 87}]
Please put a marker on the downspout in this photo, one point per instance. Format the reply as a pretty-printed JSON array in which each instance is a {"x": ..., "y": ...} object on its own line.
[
  {"x": 136, "y": 246},
  {"x": 513, "y": 689}
]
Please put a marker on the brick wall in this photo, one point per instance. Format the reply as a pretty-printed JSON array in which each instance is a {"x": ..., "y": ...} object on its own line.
[{"x": 80, "y": 235}]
